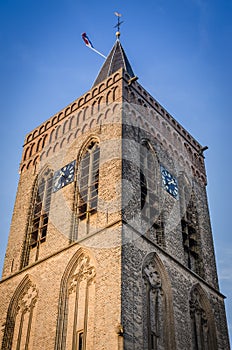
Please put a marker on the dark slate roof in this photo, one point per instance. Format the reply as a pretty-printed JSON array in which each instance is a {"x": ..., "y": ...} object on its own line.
[{"x": 116, "y": 59}]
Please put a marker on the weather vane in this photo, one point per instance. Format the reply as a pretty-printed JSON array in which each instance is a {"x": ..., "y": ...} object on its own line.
[{"x": 118, "y": 24}]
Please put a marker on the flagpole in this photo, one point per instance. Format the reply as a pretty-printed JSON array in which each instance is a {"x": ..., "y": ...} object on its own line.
[{"x": 99, "y": 53}]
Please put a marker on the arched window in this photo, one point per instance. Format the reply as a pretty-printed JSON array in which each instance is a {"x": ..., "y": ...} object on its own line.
[
  {"x": 88, "y": 179},
  {"x": 75, "y": 322},
  {"x": 20, "y": 315},
  {"x": 38, "y": 221},
  {"x": 151, "y": 212},
  {"x": 158, "y": 312},
  {"x": 190, "y": 234},
  {"x": 202, "y": 323}
]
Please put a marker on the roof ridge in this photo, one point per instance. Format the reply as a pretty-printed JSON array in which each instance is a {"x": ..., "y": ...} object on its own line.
[
  {"x": 111, "y": 60},
  {"x": 122, "y": 52}
]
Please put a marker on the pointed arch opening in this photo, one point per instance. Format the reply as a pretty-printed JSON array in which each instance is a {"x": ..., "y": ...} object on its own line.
[
  {"x": 151, "y": 213},
  {"x": 158, "y": 327},
  {"x": 203, "y": 330},
  {"x": 190, "y": 229},
  {"x": 86, "y": 191},
  {"x": 20, "y": 316},
  {"x": 88, "y": 180},
  {"x": 75, "y": 322},
  {"x": 38, "y": 217}
]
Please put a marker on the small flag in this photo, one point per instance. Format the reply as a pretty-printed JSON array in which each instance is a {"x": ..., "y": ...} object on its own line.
[
  {"x": 86, "y": 40},
  {"x": 90, "y": 45}
]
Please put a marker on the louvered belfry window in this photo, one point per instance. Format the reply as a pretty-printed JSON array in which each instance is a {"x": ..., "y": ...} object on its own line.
[
  {"x": 38, "y": 219},
  {"x": 40, "y": 213},
  {"x": 191, "y": 237},
  {"x": 149, "y": 184},
  {"x": 88, "y": 181},
  {"x": 151, "y": 212}
]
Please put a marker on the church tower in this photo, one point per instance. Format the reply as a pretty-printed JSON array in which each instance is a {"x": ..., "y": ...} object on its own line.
[{"x": 110, "y": 245}]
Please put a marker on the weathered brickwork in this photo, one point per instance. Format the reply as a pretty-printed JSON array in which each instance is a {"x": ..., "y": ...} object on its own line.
[
  {"x": 181, "y": 282},
  {"x": 47, "y": 276},
  {"x": 126, "y": 263}
]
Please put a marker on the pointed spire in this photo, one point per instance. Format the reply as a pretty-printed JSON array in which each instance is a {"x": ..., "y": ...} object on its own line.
[{"x": 115, "y": 60}]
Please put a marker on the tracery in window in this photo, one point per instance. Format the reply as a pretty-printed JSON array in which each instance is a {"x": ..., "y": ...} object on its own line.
[
  {"x": 20, "y": 316},
  {"x": 88, "y": 181},
  {"x": 202, "y": 324},
  {"x": 39, "y": 217},
  {"x": 151, "y": 213},
  {"x": 154, "y": 296},
  {"x": 75, "y": 322},
  {"x": 158, "y": 313}
]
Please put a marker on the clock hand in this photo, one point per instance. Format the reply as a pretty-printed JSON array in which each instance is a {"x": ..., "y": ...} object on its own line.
[{"x": 56, "y": 182}]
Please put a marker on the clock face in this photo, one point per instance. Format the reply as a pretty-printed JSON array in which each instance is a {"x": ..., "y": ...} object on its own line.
[
  {"x": 64, "y": 176},
  {"x": 169, "y": 182}
]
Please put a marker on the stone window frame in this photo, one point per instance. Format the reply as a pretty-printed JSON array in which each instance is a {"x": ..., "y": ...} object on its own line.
[
  {"x": 151, "y": 214},
  {"x": 41, "y": 208},
  {"x": 157, "y": 287},
  {"x": 191, "y": 239},
  {"x": 38, "y": 216},
  {"x": 81, "y": 267},
  {"x": 88, "y": 180},
  {"x": 203, "y": 329},
  {"x": 23, "y": 302}
]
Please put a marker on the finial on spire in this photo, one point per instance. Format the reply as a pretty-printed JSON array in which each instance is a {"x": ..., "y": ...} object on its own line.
[{"x": 118, "y": 24}]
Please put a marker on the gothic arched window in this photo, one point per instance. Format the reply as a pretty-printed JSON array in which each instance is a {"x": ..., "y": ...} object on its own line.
[
  {"x": 190, "y": 234},
  {"x": 19, "y": 321},
  {"x": 75, "y": 322},
  {"x": 38, "y": 221},
  {"x": 151, "y": 213},
  {"x": 202, "y": 324},
  {"x": 158, "y": 313},
  {"x": 88, "y": 181}
]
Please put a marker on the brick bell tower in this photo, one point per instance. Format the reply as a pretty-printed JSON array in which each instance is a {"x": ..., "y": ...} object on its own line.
[{"x": 110, "y": 245}]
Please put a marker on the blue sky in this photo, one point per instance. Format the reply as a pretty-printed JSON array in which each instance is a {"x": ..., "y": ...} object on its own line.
[{"x": 181, "y": 51}]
